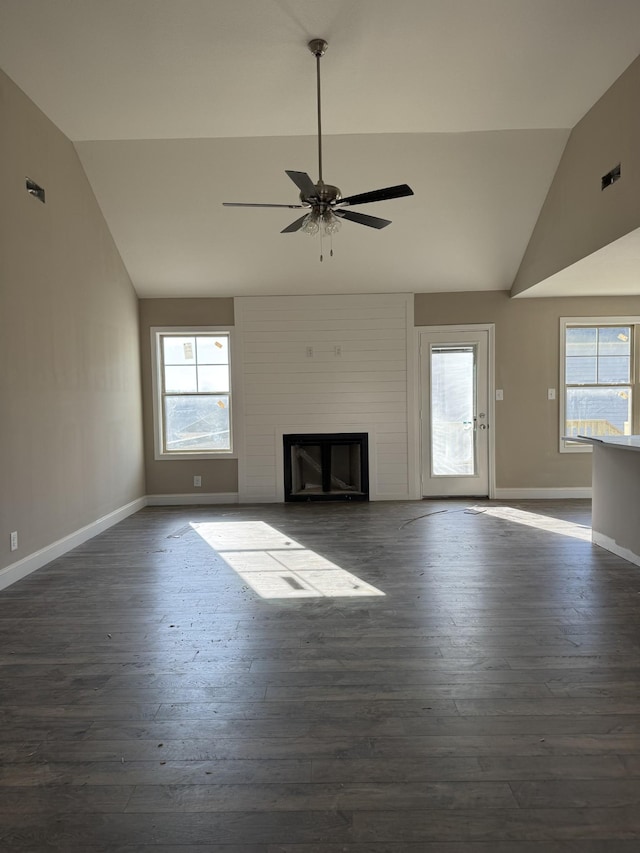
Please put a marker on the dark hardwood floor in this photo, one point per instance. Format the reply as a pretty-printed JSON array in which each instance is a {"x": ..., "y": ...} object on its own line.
[{"x": 488, "y": 701}]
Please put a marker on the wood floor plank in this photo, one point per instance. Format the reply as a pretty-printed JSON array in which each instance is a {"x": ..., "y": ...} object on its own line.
[
  {"x": 411, "y": 727},
  {"x": 65, "y": 798},
  {"x": 470, "y": 768},
  {"x": 78, "y": 833},
  {"x": 158, "y": 772},
  {"x": 514, "y": 825},
  {"x": 350, "y": 797},
  {"x": 547, "y": 846},
  {"x": 280, "y": 746},
  {"x": 577, "y": 793}
]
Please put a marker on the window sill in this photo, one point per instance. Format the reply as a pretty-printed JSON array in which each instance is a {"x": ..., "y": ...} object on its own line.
[
  {"x": 574, "y": 448},
  {"x": 168, "y": 457}
]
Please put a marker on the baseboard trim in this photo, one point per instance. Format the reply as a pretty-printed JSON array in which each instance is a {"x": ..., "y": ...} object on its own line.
[
  {"x": 611, "y": 545},
  {"x": 541, "y": 494},
  {"x": 393, "y": 496},
  {"x": 27, "y": 565},
  {"x": 191, "y": 499}
]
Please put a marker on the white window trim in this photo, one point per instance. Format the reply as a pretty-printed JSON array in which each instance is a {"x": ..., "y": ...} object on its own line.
[
  {"x": 631, "y": 320},
  {"x": 156, "y": 332}
]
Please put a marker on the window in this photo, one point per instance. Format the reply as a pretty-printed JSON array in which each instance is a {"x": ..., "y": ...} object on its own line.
[
  {"x": 192, "y": 392},
  {"x": 599, "y": 378}
]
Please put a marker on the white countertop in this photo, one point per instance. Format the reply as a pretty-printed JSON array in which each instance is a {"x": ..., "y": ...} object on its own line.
[{"x": 623, "y": 442}]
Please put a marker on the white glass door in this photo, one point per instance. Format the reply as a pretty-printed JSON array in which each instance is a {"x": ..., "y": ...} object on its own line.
[{"x": 455, "y": 423}]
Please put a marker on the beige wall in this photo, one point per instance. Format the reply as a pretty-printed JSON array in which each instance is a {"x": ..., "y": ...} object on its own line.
[
  {"x": 578, "y": 218},
  {"x": 527, "y": 364},
  {"x": 175, "y": 476},
  {"x": 70, "y": 431}
]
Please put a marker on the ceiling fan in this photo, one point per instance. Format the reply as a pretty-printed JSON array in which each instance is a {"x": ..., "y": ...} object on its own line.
[{"x": 324, "y": 202}]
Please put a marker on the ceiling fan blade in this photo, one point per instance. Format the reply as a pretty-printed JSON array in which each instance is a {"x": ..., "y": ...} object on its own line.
[
  {"x": 303, "y": 182},
  {"x": 243, "y": 204},
  {"x": 378, "y": 195},
  {"x": 295, "y": 226},
  {"x": 363, "y": 218}
]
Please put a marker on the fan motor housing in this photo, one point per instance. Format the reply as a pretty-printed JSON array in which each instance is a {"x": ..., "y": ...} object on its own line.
[{"x": 325, "y": 194}]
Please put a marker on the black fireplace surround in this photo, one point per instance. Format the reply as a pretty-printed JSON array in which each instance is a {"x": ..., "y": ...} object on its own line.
[{"x": 326, "y": 466}]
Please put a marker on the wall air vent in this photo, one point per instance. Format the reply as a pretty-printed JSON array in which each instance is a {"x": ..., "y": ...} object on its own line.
[
  {"x": 34, "y": 190},
  {"x": 610, "y": 178}
]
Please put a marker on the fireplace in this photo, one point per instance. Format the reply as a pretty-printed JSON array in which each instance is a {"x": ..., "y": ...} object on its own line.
[{"x": 326, "y": 466}]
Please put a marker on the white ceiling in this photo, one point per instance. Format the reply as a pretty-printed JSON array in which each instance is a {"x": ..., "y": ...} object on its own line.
[{"x": 177, "y": 106}]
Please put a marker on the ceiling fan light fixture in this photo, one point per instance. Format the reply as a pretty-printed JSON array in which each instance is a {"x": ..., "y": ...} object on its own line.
[
  {"x": 330, "y": 223},
  {"x": 311, "y": 224}
]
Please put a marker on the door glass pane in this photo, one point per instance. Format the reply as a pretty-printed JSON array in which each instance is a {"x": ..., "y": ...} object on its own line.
[{"x": 452, "y": 411}]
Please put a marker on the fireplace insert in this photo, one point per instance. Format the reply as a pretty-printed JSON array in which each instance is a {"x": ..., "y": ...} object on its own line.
[{"x": 326, "y": 466}]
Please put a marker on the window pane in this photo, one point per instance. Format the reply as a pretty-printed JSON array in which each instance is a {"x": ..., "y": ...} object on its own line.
[
  {"x": 614, "y": 341},
  {"x": 582, "y": 370},
  {"x": 614, "y": 369},
  {"x": 581, "y": 342},
  {"x": 213, "y": 349},
  {"x": 197, "y": 423},
  {"x": 180, "y": 380},
  {"x": 179, "y": 350},
  {"x": 598, "y": 411},
  {"x": 452, "y": 412},
  {"x": 213, "y": 378}
]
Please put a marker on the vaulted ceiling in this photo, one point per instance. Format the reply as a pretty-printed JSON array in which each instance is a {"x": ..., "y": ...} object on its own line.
[{"x": 175, "y": 107}]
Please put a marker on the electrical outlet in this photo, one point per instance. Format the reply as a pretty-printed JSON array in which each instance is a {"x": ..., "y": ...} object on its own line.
[
  {"x": 197, "y": 480},
  {"x": 14, "y": 540},
  {"x": 499, "y": 394}
]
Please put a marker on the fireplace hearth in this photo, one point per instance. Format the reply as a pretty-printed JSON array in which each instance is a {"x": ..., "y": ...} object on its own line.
[{"x": 326, "y": 466}]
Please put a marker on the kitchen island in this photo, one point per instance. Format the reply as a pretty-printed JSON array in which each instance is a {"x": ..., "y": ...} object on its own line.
[{"x": 615, "y": 514}]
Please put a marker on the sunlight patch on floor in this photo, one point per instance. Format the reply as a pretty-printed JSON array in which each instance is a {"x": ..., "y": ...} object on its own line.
[
  {"x": 541, "y": 522},
  {"x": 275, "y": 566}
]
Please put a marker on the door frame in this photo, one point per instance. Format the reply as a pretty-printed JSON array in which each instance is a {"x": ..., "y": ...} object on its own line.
[{"x": 418, "y": 398}]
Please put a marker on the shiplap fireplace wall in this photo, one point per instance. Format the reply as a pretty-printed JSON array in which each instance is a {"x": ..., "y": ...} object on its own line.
[{"x": 314, "y": 364}]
